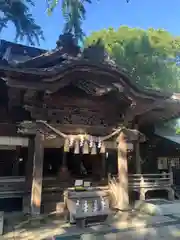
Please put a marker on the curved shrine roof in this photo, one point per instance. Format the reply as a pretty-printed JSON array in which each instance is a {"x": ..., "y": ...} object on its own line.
[
  {"x": 91, "y": 68},
  {"x": 55, "y": 69}
]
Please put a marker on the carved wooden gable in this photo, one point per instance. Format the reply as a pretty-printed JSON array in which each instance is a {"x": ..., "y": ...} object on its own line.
[{"x": 71, "y": 105}]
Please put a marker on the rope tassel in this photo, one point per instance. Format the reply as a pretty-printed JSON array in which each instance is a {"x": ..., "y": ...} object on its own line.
[
  {"x": 93, "y": 149},
  {"x": 76, "y": 147},
  {"x": 86, "y": 147},
  {"x": 103, "y": 148},
  {"x": 99, "y": 144}
]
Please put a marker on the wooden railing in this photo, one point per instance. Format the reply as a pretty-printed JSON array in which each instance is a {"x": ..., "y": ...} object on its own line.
[
  {"x": 150, "y": 181},
  {"x": 12, "y": 186},
  {"x": 15, "y": 186},
  {"x": 143, "y": 183}
]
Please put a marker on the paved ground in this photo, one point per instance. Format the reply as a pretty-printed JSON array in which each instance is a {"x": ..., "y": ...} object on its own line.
[
  {"x": 142, "y": 228},
  {"x": 136, "y": 227}
]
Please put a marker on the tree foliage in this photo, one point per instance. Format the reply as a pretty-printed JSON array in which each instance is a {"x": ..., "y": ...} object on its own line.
[
  {"x": 147, "y": 56},
  {"x": 17, "y": 12},
  {"x": 74, "y": 13}
]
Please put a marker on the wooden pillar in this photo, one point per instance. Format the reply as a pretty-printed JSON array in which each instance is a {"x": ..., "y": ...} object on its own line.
[
  {"x": 15, "y": 165},
  {"x": 29, "y": 163},
  {"x": 137, "y": 158},
  {"x": 64, "y": 172},
  {"x": 142, "y": 189},
  {"x": 137, "y": 155},
  {"x": 123, "y": 171},
  {"x": 28, "y": 176},
  {"x": 171, "y": 192},
  {"x": 64, "y": 161},
  {"x": 37, "y": 174},
  {"x": 103, "y": 160}
]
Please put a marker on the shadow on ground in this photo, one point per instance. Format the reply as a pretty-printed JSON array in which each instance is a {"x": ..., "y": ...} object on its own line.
[{"x": 124, "y": 226}]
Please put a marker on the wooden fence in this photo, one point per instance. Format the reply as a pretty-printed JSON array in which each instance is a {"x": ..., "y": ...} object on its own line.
[
  {"x": 15, "y": 186},
  {"x": 143, "y": 183}
]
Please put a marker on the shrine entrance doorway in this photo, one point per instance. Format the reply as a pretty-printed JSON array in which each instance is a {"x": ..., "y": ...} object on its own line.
[{"x": 85, "y": 166}]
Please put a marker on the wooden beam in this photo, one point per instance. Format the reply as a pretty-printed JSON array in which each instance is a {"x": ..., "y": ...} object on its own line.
[
  {"x": 13, "y": 141},
  {"x": 30, "y": 129},
  {"x": 37, "y": 175}
]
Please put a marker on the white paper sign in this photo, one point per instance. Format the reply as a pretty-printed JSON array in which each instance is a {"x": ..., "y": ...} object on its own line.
[{"x": 78, "y": 183}]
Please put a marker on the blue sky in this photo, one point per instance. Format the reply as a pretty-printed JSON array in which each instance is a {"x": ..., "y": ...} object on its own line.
[{"x": 108, "y": 13}]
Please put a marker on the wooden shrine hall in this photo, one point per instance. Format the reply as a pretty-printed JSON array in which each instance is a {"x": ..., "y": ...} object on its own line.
[{"x": 82, "y": 102}]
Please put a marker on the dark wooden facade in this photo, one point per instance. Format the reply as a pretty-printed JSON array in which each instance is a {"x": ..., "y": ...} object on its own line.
[{"x": 78, "y": 93}]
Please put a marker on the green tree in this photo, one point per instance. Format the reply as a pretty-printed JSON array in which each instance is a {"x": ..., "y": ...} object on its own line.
[
  {"x": 18, "y": 13},
  {"x": 74, "y": 13},
  {"x": 144, "y": 55}
]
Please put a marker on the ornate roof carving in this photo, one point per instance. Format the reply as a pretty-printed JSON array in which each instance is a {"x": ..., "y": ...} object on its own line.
[
  {"x": 67, "y": 64},
  {"x": 67, "y": 44},
  {"x": 90, "y": 69},
  {"x": 97, "y": 53}
]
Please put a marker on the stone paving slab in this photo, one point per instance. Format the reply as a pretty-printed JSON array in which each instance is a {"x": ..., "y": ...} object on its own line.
[
  {"x": 159, "y": 219},
  {"x": 139, "y": 227},
  {"x": 158, "y": 206},
  {"x": 176, "y": 215},
  {"x": 125, "y": 231},
  {"x": 140, "y": 234}
]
